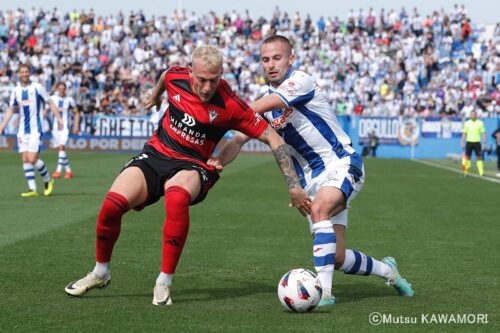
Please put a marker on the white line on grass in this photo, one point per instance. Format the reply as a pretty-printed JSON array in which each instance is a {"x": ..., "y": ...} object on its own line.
[{"x": 489, "y": 179}]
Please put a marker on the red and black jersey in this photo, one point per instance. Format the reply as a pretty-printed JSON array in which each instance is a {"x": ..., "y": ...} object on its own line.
[{"x": 190, "y": 128}]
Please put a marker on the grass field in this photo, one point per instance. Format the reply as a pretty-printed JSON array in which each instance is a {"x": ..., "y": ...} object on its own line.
[{"x": 444, "y": 231}]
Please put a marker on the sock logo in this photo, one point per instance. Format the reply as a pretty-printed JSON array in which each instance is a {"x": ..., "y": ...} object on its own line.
[{"x": 172, "y": 242}]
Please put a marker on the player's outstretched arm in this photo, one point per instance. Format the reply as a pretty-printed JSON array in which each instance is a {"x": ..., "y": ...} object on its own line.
[
  {"x": 299, "y": 197},
  {"x": 154, "y": 99},
  {"x": 8, "y": 115},
  {"x": 54, "y": 109},
  {"x": 268, "y": 103},
  {"x": 229, "y": 151},
  {"x": 76, "y": 123}
]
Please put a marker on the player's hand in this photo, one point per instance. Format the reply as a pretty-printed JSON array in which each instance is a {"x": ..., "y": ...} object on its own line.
[
  {"x": 215, "y": 162},
  {"x": 75, "y": 130},
  {"x": 149, "y": 101},
  {"x": 300, "y": 200},
  {"x": 60, "y": 124}
]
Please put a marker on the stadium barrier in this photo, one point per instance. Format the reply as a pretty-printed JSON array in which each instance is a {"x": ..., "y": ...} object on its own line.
[
  {"x": 419, "y": 138},
  {"x": 422, "y": 138}
]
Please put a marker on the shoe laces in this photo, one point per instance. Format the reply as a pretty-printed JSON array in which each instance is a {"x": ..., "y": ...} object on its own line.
[
  {"x": 162, "y": 291},
  {"x": 86, "y": 280}
]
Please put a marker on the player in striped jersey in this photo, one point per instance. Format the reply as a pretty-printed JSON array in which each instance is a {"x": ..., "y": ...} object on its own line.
[
  {"x": 328, "y": 167},
  {"x": 29, "y": 99},
  {"x": 64, "y": 105}
]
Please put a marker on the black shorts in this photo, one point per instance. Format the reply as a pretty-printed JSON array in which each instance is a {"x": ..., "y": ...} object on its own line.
[
  {"x": 472, "y": 146},
  {"x": 158, "y": 168}
]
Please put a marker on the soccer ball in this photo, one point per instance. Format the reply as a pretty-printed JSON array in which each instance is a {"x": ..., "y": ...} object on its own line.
[{"x": 299, "y": 290}]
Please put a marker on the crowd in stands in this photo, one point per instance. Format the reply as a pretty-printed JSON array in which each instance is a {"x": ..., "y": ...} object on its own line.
[{"x": 385, "y": 63}]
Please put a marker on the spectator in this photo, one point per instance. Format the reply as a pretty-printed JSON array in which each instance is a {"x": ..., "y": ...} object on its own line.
[{"x": 382, "y": 64}]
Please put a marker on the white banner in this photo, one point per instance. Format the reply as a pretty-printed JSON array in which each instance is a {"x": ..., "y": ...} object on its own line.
[{"x": 121, "y": 126}]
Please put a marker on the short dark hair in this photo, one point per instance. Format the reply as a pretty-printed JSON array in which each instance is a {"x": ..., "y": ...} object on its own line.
[
  {"x": 25, "y": 66},
  {"x": 61, "y": 84},
  {"x": 278, "y": 38}
]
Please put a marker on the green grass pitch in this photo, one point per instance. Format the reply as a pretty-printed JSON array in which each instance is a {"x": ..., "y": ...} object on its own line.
[{"x": 443, "y": 230}]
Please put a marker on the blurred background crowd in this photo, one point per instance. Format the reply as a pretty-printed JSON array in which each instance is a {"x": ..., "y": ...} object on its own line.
[{"x": 385, "y": 63}]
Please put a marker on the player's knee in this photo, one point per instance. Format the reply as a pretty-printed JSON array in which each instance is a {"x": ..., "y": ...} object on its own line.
[
  {"x": 176, "y": 196},
  {"x": 113, "y": 207},
  {"x": 316, "y": 212}
]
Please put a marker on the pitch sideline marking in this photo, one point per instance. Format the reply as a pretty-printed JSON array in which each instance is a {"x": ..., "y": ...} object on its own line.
[{"x": 489, "y": 179}]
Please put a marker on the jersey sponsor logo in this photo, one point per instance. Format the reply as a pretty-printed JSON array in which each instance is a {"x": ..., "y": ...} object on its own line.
[
  {"x": 282, "y": 120},
  {"x": 188, "y": 120},
  {"x": 177, "y": 97},
  {"x": 26, "y": 102},
  {"x": 185, "y": 132},
  {"x": 212, "y": 114}
]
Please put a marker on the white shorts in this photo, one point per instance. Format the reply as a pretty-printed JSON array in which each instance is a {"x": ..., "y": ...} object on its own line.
[
  {"x": 342, "y": 176},
  {"x": 59, "y": 138},
  {"x": 29, "y": 142}
]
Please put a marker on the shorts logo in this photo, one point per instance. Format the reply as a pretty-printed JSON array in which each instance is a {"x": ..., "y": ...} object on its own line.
[
  {"x": 332, "y": 175},
  {"x": 202, "y": 172},
  {"x": 136, "y": 158},
  {"x": 188, "y": 120}
]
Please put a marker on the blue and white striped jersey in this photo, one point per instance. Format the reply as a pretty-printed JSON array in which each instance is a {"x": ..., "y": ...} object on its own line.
[
  {"x": 309, "y": 126},
  {"x": 29, "y": 101},
  {"x": 64, "y": 105}
]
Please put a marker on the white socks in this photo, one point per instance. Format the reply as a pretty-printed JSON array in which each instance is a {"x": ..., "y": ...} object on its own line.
[
  {"x": 40, "y": 166},
  {"x": 101, "y": 269},
  {"x": 358, "y": 263},
  {"x": 164, "y": 278},
  {"x": 29, "y": 174},
  {"x": 324, "y": 247}
]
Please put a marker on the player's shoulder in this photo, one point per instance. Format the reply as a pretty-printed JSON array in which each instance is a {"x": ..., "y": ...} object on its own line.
[
  {"x": 299, "y": 80},
  {"x": 18, "y": 87},
  {"x": 231, "y": 99},
  {"x": 298, "y": 74},
  {"x": 178, "y": 70},
  {"x": 225, "y": 88},
  {"x": 37, "y": 85}
]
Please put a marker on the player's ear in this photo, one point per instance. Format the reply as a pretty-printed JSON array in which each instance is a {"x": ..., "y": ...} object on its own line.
[{"x": 291, "y": 60}]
